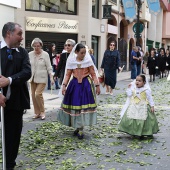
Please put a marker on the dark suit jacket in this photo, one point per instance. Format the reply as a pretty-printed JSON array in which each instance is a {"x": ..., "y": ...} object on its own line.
[
  {"x": 161, "y": 62},
  {"x": 61, "y": 66},
  {"x": 19, "y": 69}
]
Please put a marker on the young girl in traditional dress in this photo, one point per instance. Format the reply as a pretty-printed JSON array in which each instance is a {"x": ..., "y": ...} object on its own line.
[
  {"x": 78, "y": 108},
  {"x": 137, "y": 116}
]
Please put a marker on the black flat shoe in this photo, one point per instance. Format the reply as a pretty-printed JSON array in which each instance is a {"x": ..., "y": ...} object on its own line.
[{"x": 80, "y": 135}]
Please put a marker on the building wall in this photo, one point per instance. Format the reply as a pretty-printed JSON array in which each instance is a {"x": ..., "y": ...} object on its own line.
[
  {"x": 11, "y": 3},
  {"x": 7, "y": 11},
  {"x": 4, "y": 10},
  {"x": 159, "y": 23},
  {"x": 154, "y": 32},
  {"x": 88, "y": 26},
  {"x": 166, "y": 25}
]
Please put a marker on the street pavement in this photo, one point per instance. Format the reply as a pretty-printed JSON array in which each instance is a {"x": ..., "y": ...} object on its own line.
[{"x": 46, "y": 144}]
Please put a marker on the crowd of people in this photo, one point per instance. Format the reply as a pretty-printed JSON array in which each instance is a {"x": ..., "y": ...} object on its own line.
[
  {"x": 75, "y": 74},
  {"x": 156, "y": 61}
]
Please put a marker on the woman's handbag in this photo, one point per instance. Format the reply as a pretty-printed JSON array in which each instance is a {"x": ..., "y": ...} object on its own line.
[{"x": 101, "y": 78}]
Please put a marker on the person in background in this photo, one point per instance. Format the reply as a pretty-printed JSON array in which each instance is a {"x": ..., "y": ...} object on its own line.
[
  {"x": 151, "y": 65},
  {"x": 78, "y": 108},
  {"x": 157, "y": 51},
  {"x": 161, "y": 62},
  {"x": 133, "y": 61},
  {"x": 142, "y": 61},
  {"x": 15, "y": 72},
  {"x": 110, "y": 64},
  {"x": 139, "y": 61},
  {"x": 41, "y": 67},
  {"x": 167, "y": 56},
  {"x": 57, "y": 59},
  {"x": 65, "y": 49},
  {"x": 145, "y": 60},
  {"x": 91, "y": 52},
  {"x": 53, "y": 54},
  {"x": 60, "y": 71}
]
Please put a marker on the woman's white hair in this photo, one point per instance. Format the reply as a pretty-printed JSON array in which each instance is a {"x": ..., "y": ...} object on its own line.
[
  {"x": 71, "y": 41},
  {"x": 36, "y": 40}
]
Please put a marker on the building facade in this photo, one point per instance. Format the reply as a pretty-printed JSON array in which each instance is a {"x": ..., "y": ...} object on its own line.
[
  {"x": 55, "y": 21},
  {"x": 124, "y": 32},
  {"x": 158, "y": 29},
  {"x": 166, "y": 26},
  {"x": 7, "y": 11}
]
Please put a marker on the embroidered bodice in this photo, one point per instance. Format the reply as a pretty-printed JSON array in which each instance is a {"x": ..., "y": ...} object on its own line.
[
  {"x": 140, "y": 95},
  {"x": 80, "y": 73}
]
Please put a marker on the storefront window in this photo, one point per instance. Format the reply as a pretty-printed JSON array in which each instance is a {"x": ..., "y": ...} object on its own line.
[
  {"x": 56, "y": 6},
  {"x": 94, "y": 46},
  {"x": 95, "y": 9}
]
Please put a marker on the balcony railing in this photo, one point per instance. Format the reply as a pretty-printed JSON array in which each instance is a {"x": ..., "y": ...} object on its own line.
[{"x": 113, "y": 1}]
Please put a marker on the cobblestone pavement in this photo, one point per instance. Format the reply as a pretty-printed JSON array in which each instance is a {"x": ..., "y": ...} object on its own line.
[{"x": 50, "y": 145}]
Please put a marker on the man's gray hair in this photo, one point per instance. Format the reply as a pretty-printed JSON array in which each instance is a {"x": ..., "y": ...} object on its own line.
[
  {"x": 9, "y": 26},
  {"x": 70, "y": 41},
  {"x": 36, "y": 40}
]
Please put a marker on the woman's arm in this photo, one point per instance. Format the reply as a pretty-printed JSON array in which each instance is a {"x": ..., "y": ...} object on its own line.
[
  {"x": 129, "y": 91},
  {"x": 150, "y": 99},
  {"x": 59, "y": 66},
  {"x": 66, "y": 80},
  {"x": 95, "y": 79},
  {"x": 49, "y": 68},
  {"x": 93, "y": 75}
]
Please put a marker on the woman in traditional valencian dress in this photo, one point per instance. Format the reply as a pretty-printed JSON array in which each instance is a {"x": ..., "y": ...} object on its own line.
[
  {"x": 78, "y": 108},
  {"x": 137, "y": 116}
]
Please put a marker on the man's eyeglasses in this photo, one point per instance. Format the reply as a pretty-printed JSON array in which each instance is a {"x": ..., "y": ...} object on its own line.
[
  {"x": 10, "y": 56},
  {"x": 67, "y": 45}
]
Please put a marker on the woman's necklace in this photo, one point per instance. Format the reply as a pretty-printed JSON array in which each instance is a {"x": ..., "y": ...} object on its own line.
[{"x": 79, "y": 65}]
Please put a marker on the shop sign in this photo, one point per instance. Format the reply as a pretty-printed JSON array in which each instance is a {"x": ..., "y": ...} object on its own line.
[{"x": 51, "y": 25}]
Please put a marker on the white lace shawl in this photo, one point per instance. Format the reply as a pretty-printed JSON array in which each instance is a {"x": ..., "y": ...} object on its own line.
[
  {"x": 72, "y": 63},
  {"x": 129, "y": 94}
]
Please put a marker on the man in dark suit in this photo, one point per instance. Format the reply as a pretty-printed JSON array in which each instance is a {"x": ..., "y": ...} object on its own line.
[
  {"x": 15, "y": 71},
  {"x": 60, "y": 71}
]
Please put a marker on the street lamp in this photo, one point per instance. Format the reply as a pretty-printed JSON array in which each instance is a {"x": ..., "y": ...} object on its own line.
[{"x": 139, "y": 5}]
